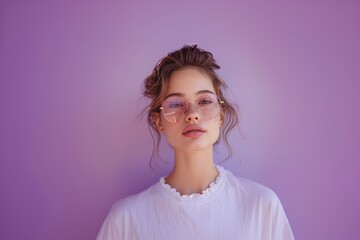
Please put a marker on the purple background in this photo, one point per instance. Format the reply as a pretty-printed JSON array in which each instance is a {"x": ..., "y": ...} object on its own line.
[{"x": 72, "y": 142}]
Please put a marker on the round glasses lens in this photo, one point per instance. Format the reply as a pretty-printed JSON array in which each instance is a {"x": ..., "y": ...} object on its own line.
[
  {"x": 173, "y": 108},
  {"x": 208, "y": 106}
]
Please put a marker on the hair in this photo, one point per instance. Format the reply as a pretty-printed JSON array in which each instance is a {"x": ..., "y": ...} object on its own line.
[{"x": 155, "y": 87}]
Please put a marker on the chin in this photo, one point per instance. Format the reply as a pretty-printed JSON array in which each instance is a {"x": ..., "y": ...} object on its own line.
[{"x": 196, "y": 146}]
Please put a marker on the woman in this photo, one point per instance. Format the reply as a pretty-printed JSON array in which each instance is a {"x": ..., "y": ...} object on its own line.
[{"x": 198, "y": 199}]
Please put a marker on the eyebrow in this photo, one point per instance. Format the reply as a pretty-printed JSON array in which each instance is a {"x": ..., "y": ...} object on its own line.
[{"x": 182, "y": 95}]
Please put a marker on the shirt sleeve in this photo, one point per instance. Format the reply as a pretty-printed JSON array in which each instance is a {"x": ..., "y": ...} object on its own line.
[
  {"x": 119, "y": 224},
  {"x": 111, "y": 229},
  {"x": 280, "y": 228}
]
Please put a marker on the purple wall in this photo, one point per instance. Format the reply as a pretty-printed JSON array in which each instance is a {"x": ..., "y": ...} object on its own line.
[{"x": 70, "y": 140}]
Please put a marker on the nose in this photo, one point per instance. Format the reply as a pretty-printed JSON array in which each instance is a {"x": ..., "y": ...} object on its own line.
[{"x": 191, "y": 113}]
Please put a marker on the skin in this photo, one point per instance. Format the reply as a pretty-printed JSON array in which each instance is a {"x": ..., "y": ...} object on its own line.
[{"x": 194, "y": 167}]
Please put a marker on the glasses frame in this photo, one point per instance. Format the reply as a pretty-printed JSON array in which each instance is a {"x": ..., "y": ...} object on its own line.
[{"x": 220, "y": 102}]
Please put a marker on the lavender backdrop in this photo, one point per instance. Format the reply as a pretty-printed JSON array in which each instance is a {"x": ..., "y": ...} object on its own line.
[{"x": 72, "y": 142}]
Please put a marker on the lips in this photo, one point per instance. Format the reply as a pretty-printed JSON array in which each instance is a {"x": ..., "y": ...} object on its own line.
[{"x": 193, "y": 129}]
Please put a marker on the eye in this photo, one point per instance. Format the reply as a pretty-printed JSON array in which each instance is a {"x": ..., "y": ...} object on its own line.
[
  {"x": 205, "y": 101},
  {"x": 175, "y": 104}
]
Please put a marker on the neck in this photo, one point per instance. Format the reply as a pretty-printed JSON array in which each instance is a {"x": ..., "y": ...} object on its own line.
[{"x": 192, "y": 173}]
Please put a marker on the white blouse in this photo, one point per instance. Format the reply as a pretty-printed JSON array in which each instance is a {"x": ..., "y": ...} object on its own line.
[{"x": 230, "y": 208}]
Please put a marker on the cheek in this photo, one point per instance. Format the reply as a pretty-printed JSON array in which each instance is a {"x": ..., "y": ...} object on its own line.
[
  {"x": 216, "y": 132},
  {"x": 170, "y": 132},
  {"x": 214, "y": 129}
]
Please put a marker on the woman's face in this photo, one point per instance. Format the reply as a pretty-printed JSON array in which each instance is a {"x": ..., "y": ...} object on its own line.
[{"x": 192, "y": 131}]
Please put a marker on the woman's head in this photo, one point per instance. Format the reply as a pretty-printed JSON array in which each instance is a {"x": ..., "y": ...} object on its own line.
[{"x": 156, "y": 88}]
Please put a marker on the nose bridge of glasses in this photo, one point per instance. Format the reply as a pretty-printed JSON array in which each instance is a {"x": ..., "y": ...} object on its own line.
[{"x": 191, "y": 106}]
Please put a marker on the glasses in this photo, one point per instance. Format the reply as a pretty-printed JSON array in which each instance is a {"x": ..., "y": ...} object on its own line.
[{"x": 206, "y": 105}]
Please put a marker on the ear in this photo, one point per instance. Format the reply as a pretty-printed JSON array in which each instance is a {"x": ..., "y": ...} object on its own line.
[
  {"x": 222, "y": 117},
  {"x": 157, "y": 121}
]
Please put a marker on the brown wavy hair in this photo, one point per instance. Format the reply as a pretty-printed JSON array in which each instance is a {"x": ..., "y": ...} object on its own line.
[{"x": 155, "y": 87}]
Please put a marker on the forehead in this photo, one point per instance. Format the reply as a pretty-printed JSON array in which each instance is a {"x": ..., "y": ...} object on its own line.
[{"x": 188, "y": 81}]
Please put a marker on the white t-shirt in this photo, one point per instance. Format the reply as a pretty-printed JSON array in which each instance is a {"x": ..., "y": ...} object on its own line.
[{"x": 231, "y": 208}]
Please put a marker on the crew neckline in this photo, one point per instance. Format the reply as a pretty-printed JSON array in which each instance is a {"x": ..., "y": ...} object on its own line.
[{"x": 205, "y": 194}]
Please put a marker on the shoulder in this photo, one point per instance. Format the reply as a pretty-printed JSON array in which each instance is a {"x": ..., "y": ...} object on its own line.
[
  {"x": 251, "y": 190},
  {"x": 135, "y": 203},
  {"x": 260, "y": 205},
  {"x": 125, "y": 215}
]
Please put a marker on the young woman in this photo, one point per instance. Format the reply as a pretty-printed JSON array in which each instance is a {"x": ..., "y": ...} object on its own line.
[{"x": 198, "y": 199}]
